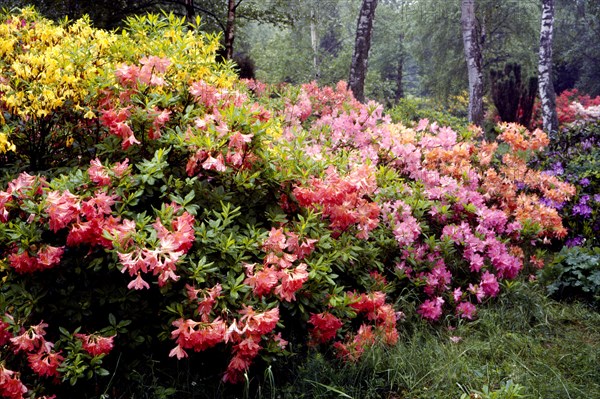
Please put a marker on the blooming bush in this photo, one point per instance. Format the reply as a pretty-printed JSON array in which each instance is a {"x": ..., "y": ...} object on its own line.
[
  {"x": 571, "y": 106},
  {"x": 213, "y": 215},
  {"x": 574, "y": 156}
]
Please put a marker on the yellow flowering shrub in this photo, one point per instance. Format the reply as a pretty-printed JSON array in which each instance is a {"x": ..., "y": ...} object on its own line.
[{"x": 53, "y": 75}]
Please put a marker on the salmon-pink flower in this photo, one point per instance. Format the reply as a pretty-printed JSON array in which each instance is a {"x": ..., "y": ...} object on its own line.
[
  {"x": 138, "y": 283},
  {"x": 325, "y": 327},
  {"x": 62, "y": 209},
  {"x": 45, "y": 363},
  {"x": 95, "y": 344},
  {"x": 98, "y": 173}
]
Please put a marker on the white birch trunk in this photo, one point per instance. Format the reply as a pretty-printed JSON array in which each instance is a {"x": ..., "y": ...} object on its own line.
[
  {"x": 360, "y": 58},
  {"x": 474, "y": 61},
  {"x": 546, "y": 88}
]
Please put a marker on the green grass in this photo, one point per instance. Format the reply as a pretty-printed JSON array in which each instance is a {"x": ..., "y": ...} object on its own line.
[{"x": 539, "y": 347}]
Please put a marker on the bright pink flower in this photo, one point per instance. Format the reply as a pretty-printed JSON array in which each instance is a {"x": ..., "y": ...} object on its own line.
[
  {"x": 431, "y": 309},
  {"x": 49, "y": 256},
  {"x": 22, "y": 262},
  {"x": 489, "y": 284},
  {"x": 457, "y": 294},
  {"x": 466, "y": 310},
  {"x": 31, "y": 339},
  {"x": 477, "y": 291},
  {"x": 11, "y": 386}
]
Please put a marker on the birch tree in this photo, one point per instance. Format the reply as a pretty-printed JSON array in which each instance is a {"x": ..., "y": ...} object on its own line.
[
  {"x": 547, "y": 94},
  {"x": 360, "y": 58},
  {"x": 472, "y": 46}
]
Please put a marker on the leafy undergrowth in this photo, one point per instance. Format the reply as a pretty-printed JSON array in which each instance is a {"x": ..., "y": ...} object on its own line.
[{"x": 548, "y": 349}]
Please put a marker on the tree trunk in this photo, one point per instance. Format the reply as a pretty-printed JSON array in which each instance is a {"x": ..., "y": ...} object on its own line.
[
  {"x": 474, "y": 61},
  {"x": 399, "y": 93},
  {"x": 358, "y": 68},
  {"x": 314, "y": 40},
  {"x": 230, "y": 28},
  {"x": 547, "y": 94},
  {"x": 189, "y": 10}
]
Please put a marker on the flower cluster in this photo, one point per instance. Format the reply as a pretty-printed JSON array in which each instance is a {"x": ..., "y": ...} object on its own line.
[{"x": 344, "y": 200}]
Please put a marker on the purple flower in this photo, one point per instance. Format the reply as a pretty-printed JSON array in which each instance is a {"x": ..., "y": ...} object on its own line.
[
  {"x": 596, "y": 197},
  {"x": 582, "y": 209},
  {"x": 575, "y": 242},
  {"x": 551, "y": 203},
  {"x": 558, "y": 169},
  {"x": 584, "y": 182}
]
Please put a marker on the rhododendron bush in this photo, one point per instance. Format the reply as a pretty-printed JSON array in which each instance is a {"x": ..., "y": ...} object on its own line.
[{"x": 202, "y": 215}]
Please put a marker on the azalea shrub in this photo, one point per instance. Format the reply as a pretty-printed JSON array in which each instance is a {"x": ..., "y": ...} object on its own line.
[
  {"x": 184, "y": 214},
  {"x": 571, "y": 106},
  {"x": 574, "y": 156}
]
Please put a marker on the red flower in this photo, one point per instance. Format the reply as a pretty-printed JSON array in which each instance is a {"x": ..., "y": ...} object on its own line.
[
  {"x": 96, "y": 345},
  {"x": 325, "y": 327},
  {"x": 45, "y": 363}
]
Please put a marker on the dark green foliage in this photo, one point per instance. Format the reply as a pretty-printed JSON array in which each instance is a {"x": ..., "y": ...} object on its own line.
[
  {"x": 410, "y": 110},
  {"x": 512, "y": 95},
  {"x": 574, "y": 273}
]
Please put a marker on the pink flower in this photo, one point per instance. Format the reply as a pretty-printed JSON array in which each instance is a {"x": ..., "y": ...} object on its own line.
[
  {"x": 45, "y": 363},
  {"x": 325, "y": 327},
  {"x": 98, "y": 173},
  {"x": 466, "y": 310},
  {"x": 138, "y": 283},
  {"x": 432, "y": 308},
  {"x": 62, "y": 209},
  {"x": 489, "y": 284},
  {"x": 96, "y": 345},
  {"x": 291, "y": 282}
]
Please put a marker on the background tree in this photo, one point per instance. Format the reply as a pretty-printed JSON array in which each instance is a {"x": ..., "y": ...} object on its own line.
[
  {"x": 576, "y": 49},
  {"x": 316, "y": 46},
  {"x": 547, "y": 93},
  {"x": 217, "y": 15},
  {"x": 471, "y": 40},
  {"x": 360, "y": 57}
]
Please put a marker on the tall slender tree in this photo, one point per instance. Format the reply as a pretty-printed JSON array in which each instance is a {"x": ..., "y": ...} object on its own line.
[
  {"x": 472, "y": 45},
  {"x": 360, "y": 58},
  {"x": 546, "y": 87}
]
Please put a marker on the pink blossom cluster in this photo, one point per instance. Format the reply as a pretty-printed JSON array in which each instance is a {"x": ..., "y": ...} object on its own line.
[
  {"x": 278, "y": 274},
  {"x": 95, "y": 344},
  {"x": 42, "y": 358},
  {"x": 162, "y": 258},
  {"x": 479, "y": 207},
  {"x": 244, "y": 334},
  {"x": 344, "y": 200}
]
